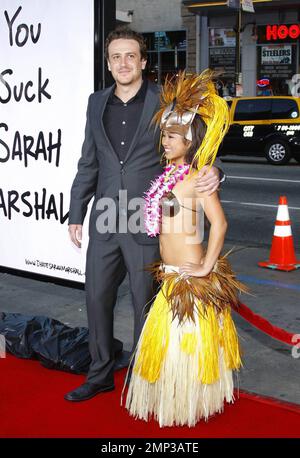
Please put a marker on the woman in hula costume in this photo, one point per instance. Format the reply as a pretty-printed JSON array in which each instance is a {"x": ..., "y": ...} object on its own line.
[{"x": 189, "y": 347}]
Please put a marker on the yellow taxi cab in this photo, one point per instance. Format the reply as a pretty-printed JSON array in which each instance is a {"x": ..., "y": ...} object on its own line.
[{"x": 264, "y": 126}]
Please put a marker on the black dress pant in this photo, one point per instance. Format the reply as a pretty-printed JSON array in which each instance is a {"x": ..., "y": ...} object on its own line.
[{"x": 106, "y": 266}]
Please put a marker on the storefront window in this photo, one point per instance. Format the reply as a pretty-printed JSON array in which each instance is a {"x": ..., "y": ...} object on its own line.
[
  {"x": 166, "y": 54},
  {"x": 276, "y": 58},
  {"x": 222, "y": 58}
]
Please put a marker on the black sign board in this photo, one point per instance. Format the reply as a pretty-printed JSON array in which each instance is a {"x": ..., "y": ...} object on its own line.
[
  {"x": 276, "y": 61},
  {"x": 223, "y": 59}
]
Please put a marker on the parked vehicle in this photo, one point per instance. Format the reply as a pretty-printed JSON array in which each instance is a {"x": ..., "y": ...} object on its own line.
[{"x": 264, "y": 126}]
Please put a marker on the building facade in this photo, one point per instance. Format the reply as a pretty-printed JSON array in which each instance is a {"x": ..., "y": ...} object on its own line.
[
  {"x": 161, "y": 23},
  {"x": 199, "y": 34},
  {"x": 269, "y": 44}
]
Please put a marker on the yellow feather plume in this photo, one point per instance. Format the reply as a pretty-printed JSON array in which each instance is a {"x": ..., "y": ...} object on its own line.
[{"x": 197, "y": 93}]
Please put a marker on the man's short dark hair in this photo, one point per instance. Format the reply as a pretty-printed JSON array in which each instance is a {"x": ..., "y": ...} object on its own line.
[{"x": 125, "y": 32}]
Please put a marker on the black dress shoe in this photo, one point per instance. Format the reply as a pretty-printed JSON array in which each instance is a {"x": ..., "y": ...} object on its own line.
[{"x": 87, "y": 391}]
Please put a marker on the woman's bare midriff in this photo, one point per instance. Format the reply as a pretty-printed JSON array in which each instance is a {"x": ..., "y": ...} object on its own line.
[
  {"x": 181, "y": 237},
  {"x": 176, "y": 250}
]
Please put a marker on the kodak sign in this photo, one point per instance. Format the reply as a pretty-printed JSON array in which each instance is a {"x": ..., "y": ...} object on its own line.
[{"x": 282, "y": 31}]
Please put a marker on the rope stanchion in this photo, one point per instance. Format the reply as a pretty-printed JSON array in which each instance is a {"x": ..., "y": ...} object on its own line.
[{"x": 264, "y": 325}]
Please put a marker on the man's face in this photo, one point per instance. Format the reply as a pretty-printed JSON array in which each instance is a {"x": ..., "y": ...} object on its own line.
[{"x": 124, "y": 61}]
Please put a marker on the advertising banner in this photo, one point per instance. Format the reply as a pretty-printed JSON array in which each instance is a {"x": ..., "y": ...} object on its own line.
[{"x": 46, "y": 75}]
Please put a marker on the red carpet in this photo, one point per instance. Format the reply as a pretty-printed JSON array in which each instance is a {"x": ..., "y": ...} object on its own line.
[{"x": 32, "y": 405}]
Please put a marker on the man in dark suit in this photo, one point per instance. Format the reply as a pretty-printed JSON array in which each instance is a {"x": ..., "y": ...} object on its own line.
[{"x": 119, "y": 153}]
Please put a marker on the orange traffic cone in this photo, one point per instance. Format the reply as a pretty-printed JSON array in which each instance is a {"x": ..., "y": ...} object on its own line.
[{"x": 282, "y": 256}]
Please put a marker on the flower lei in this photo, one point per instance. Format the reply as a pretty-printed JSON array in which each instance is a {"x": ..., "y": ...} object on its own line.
[{"x": 163, "y": 184}]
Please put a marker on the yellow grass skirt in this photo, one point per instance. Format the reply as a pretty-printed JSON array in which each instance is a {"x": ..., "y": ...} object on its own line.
[{"x": 187, "y": 350}]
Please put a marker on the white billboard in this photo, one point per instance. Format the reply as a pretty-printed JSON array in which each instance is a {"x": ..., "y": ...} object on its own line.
[{"x": 46, "y": 50}]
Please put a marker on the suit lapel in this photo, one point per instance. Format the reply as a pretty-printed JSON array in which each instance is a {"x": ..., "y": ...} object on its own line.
[
  {"x": 101, "y": 107},
  {"x": 149, "y": 109}
]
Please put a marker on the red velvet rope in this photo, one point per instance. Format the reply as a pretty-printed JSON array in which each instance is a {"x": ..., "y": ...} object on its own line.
[{"x": 264, "y": 325}]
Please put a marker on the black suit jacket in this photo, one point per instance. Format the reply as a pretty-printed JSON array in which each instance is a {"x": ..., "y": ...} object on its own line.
[{"x": 100, "y": 173}]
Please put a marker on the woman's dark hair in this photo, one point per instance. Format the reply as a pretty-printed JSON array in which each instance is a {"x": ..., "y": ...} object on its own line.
[
  {"x": 198, "y": 132},
  {"x": 125, "y": 32}
]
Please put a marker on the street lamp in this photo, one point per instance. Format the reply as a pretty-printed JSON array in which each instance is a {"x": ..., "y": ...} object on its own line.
[{"x": 238, "y": 5}]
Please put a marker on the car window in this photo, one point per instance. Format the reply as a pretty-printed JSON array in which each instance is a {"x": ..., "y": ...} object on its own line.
[
  {"x": 284, "y": 109},
  {"x": 252, "y": 110}
]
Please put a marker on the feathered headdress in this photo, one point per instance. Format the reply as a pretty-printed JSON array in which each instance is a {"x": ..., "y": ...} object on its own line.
[{"x": 184, "y": 96}]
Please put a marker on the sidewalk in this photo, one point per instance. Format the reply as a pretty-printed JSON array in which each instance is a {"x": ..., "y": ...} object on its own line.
[{"x": 269, "y": 367}]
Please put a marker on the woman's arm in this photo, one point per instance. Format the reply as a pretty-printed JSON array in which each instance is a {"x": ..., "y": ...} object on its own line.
[{"x": 218, "y": 226}]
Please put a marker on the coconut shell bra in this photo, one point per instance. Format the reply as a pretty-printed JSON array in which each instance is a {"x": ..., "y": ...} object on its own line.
[{"x": 170, "y": 205}]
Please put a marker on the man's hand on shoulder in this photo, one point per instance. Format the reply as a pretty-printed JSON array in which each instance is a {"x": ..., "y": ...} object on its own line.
[
  {"x": 75, "y": 232},
  {"x": 208, "y": 180}
]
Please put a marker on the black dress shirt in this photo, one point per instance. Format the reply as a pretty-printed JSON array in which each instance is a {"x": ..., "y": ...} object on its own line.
[{"x": 121, "y": 120}]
